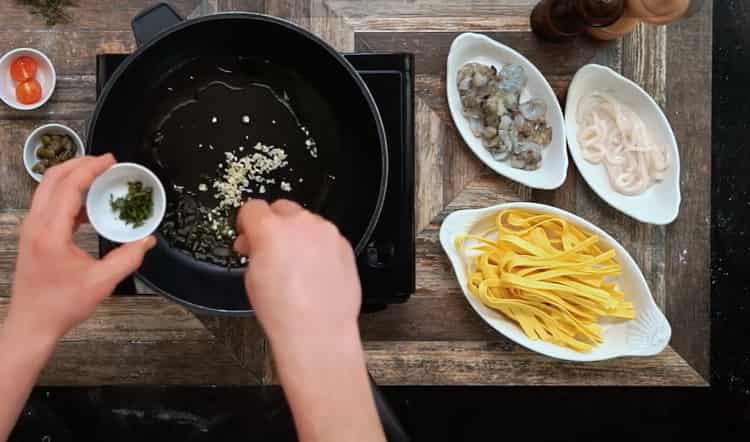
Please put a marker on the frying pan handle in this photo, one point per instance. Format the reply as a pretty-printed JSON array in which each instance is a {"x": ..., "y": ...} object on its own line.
[
  {"x": 394, "y": 432},
  {"x": 153, "y": 20}
]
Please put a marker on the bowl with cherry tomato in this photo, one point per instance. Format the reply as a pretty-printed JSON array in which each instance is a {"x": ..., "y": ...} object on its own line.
[{"x": 27, "y": 78}]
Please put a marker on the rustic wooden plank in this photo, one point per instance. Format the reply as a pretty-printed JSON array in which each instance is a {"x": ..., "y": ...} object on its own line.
[
  {"x": 242, "y": 337},
  {"x": 440, "y": 24},
  {"x": 74, "y": 99},
  {"x": 446, "y": 316},
  {"x": 354, "y": 9},
  {"x": 331, "y": 27},
  {"x": 644, "y": 61},
  {"x": 10, "y": 222},
  {"x": 500, "y": 363},
  {"x": 297, "y": 11},
  {"x": 178, "y": 362},
  {"x": 141, "y": 340},
  {"x": 72, "y": 51},
  {"x": 242, "y": 5},
  {"x": 17, "y": 185},
  {"x": 126, "y": 319},
  {"x": 431, "y": 49},
  {"x": 91, "y": 15},
  {"x": 688, "y": 95},
  {"x": 430, "y": 135}
]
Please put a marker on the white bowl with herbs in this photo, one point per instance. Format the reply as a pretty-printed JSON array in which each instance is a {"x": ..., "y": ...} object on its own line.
[{"x": 126, "y": 203}]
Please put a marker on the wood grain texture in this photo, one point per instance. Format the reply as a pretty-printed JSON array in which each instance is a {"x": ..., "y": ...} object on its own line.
[
  {"x": 435, "y": 338},
  {"x": 331, "y": 27},
  {"x": 244, "y": 338},
  {"x": 297, "y": 11},
  {"x": 128, "y": 319},
  {"x": 89, "y": 15},
  {"x": 71, "y": 51},
  {"x": 432, "y": 8},
  {"x": 178, "y": 362},
  {"x": 74, "y": 99},
  {"x": 242, "y": 5},
  {"x": 430, "y": 136},
  {"x": 431, "y": 49},
  {"x": 500, "y": 363},
  {"x": 688, "y": 246},
  {"x": 10, "y": 223},
  {"x": 143, "y": 340}
]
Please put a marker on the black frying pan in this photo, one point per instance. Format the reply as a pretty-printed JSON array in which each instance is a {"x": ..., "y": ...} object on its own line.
[{"x": 228, "y": 66}]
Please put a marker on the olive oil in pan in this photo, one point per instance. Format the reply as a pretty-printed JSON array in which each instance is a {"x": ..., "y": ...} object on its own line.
[{"x": 213, "y": 106}]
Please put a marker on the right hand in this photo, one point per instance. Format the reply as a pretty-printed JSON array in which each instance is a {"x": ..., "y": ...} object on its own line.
[{"x": 302, "y": 278}]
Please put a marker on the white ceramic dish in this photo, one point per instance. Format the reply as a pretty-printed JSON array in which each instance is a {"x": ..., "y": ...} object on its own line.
[
  {"x": 34, "y": 142},
  {"x": 470, "y": 47},
  {"x": 45, "y": 75},
  {"x": 659, "y": 204},
  {"x": 115, "y": 182},
  {"x": 646, "y": 335}
]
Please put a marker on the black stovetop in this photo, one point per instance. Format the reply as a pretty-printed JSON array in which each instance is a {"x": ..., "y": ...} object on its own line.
[{"x": 387, "y": 265}]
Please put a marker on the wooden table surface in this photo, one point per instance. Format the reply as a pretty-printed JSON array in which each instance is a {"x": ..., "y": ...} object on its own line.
[{"x": 435, "y": 338}]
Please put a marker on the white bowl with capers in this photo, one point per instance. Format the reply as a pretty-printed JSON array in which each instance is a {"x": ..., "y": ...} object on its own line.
[{"x": 49, "y": 145}]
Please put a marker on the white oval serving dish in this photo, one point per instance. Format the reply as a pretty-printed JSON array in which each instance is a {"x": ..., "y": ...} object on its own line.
[
  {"x": 646, "y": 335},
  {"x": 470, "y": 47},
  {"x": 660, "y": 203}
]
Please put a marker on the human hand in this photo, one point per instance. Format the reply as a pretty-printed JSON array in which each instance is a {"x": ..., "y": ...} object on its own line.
[
  {"x": 302, "y": 279},
  {"x": 57, "y": 285}
]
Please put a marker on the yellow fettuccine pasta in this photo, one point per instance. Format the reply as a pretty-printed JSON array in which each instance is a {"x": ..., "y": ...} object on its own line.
[{"x": 548, "y": 276}]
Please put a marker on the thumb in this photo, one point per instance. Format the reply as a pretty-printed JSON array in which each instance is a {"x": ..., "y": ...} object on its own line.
[{"x": 122, "y": 261}]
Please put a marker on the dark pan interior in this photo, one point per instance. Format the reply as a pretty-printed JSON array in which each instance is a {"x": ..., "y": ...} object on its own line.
[{"x": 343, "y": 184}]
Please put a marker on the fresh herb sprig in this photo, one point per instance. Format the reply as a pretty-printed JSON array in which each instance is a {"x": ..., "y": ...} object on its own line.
[
  {"x": 135, "y": 207},
  {"x": 53, "y": 11}
]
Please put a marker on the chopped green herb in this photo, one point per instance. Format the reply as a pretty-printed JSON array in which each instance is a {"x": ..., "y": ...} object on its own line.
[
  {"x": 135, "y": 207},
  {"x": 53, "y": 11}
]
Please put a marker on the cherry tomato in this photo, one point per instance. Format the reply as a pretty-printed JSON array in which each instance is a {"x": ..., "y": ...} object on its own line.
[
  {"x": 29, "y": 92},
  {"x": 23, "y": 68}
]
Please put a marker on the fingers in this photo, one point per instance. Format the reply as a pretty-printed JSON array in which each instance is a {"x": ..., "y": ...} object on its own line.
[
  {"x": 52, "y": 179},
  {"x": 121, "y": 262},
  {"x": 240, "y": 245},
  {"x": 81, "y": 218},
  {"x": 285, "y": 207},
  {"x": 70, "y": 190},
  {"x": 81, "y": 177},
  {"x": 253, "y": 223}
]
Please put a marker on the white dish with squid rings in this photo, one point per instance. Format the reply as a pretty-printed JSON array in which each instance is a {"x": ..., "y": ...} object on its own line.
[{"x": 658, "y": 204}]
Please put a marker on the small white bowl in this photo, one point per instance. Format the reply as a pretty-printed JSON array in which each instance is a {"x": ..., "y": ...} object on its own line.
[
  {"x": 114, "y": 182},
  {"x": 660, "y": 203},
  {"x": 34, "y": 142},
  {"x": 470, "y": 47},
  {"x": 646, "y": 335},
  {"x": 45, "y": 75}
]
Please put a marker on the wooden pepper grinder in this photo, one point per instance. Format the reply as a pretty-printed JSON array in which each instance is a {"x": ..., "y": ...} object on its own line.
[
  {"x": 565, "y": 19},
  {"x": 658, "y": 12}
]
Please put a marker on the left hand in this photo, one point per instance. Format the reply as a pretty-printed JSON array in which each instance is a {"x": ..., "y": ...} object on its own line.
[{"x": 57, "y": 285}]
